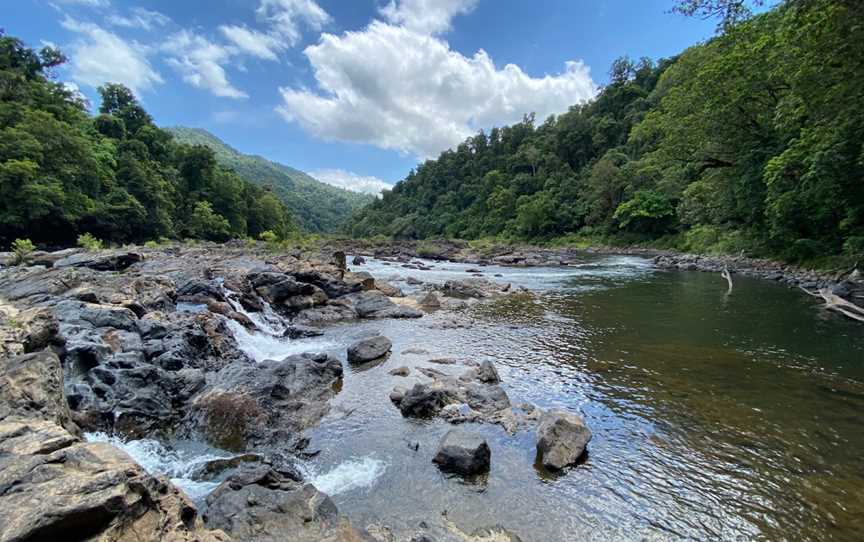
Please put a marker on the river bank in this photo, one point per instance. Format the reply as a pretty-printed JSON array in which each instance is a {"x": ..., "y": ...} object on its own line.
[
  {"x": 846, "y": 282},
  {"x": 189, "y": 344}
]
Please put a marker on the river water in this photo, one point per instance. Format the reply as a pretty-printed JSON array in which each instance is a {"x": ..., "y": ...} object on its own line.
[{"x": 715, "y": 416}]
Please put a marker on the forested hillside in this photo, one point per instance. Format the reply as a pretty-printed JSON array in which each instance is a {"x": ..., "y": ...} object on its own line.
[
  {"x": 753, "y": 140},
  {"x": 317, "y": 206},
  {"x": 116, "y": 176}
]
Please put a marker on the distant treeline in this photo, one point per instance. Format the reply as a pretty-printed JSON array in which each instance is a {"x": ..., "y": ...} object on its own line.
[
  {"x": 753, "y": 140},
  {"x": 115, "y": 176}
]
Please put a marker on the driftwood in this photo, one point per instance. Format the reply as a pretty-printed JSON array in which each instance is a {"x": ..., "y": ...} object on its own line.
[
  {"x": 837, "y": 303},
  {"x": 728, "y": 276}
]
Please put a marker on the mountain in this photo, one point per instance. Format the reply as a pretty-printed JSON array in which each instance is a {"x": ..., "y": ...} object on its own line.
[{"x": 318, "y": 207}]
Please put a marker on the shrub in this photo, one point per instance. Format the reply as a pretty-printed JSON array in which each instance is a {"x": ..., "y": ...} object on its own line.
[
  {"x": 88, "y": 242},
  {"x": 805, "y": 249},
  {"x": 22, "y": 248},
  {"x": 151, "y": 244},
  {"x": 854, "y": 246}
]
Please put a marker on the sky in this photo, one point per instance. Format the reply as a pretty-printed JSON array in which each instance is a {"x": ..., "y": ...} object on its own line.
[{"x": 355, "y": 92}]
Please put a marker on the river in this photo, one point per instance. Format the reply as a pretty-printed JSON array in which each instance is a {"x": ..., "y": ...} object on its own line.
[{"x": 715, "y": 416}]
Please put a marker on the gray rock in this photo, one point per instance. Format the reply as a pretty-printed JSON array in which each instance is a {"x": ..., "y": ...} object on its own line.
[
  {"x": 265, "y": 505},
  {"x": 374, "y": 304},
  {"x": 561, "y": 439},
  {"x": 301, "y": 332},
  {"x": 369, "y": 349},
  {"x": 487, "y": 373},
  {"x": 464, "y": 453},
  {"x": 102, "y": 261},
  {"x": 388, "y": 289},
  {"x": 358, "y": 260},
  {"x": 430, "y": 301},
  {"x": 400, "y": 371}
]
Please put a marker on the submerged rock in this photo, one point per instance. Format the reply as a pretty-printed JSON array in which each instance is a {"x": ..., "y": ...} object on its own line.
[
  {"x": 561, "y": 439},
  {"x": 369, "y": 349},
  {"x": 464, "y": 453}
]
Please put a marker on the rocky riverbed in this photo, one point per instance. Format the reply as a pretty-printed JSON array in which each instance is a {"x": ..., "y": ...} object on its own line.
[{"x": 124, "y": 345}]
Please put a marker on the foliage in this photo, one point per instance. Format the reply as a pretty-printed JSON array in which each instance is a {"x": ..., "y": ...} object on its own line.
[
  {"x": 318, "y": 207},
  {"x": 117, "y": 176},
  {"x": 88, "y": 242},
  {"x": 22, "y": 249},
  {"x": 750, "y": 141}
]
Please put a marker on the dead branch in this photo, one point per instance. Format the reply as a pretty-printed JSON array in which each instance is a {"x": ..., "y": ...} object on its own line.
[
  {"x": 836, "y": 303},
  {"x": 728, "y": 276}
]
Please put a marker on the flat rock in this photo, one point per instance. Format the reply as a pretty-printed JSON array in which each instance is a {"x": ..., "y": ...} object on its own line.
[
  {"x": 369, "y": 349},
  {"x": 102, "y": 261}
]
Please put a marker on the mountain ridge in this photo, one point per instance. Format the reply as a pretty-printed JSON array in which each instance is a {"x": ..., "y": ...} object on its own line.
[{"x": 317, "y": 206}]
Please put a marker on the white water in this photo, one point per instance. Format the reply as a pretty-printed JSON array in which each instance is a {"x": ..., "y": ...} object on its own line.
[
  {"x": 352, "y": 474},
  {"x": 178, "y": 465},
  {"x": 261, "y": 346}
]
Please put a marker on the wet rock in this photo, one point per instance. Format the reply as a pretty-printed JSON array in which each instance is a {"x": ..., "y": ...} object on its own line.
[
  {"x": 281, "y": 289},
  {"x": 472, "y": 400},
  {"x": 476, "y": 288},
  {"x": 358, "y": 260},
  {"x": 213, "y": 468},
  {"x": 330, "y": 285},
  {"x": 398, "y": 394},
  {"x": 264, "y": 505},
  {"x": 369, "y": 349},
  {"x": 413, "y": 281},
  {"x": 464, "y": 453},
  {"x": 487, "y": 373},
  {"x": 102, "y": 261},
  {"x": 561, "y": 439},
  {"x": 97, "y": 316},
  {"x": 430, "y": 301},
  {"x": 374, "y": 304},
  {"x": 200, "y": 291},
  {"x": 332, "y": 312},
  {"x": 400, "y": 371},
  {"x": 301, "y": 332},
  {"x": 388, "y": 289}
]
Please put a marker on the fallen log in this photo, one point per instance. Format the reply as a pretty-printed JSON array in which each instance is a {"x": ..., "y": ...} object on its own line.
[{"x": 836, "y": 303}]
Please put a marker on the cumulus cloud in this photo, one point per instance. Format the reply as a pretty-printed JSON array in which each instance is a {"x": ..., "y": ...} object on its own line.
[
  {"x": 285, "y": 16},
  {"x": 101, "y": 56},
  {"x": 352, "y": 181},
  {"x": 199, "y": 62},
  {"x": 253, "y": 42},
  {"x": 139, "y": 18},
  {"x": 426, "y": 16},
  {"x": 400, "y": 89}
]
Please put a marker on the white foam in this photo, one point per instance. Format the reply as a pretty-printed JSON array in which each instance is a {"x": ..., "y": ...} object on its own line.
[
  {"x": 155, "y": 458},
  {"x": 350, "y": 475},
  {"x": 261, "y": 346}
]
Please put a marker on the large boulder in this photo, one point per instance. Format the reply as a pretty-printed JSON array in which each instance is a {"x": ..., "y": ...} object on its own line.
[
  {"x": 561, "y": 439},
  {"x": 266, "y": 505},
  {"x": 31, "y": 386},
  {"x": 369, "y": 349},
  {"x": 25, "y": 331},
  {"x": 464, "y": 453},
  {"x": 265, "y": 403}
]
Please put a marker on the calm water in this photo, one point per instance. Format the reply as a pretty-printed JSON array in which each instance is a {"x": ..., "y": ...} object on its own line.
[{"x": 714, "y": 417}]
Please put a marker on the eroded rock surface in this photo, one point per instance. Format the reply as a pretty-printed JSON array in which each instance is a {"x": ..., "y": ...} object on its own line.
[
  {"x": 463, "y": 452},
  {"x": 561, "y": 439}
]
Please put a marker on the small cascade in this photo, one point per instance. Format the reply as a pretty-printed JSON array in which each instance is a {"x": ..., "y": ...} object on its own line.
[
  {"x": 267, "y": 320},
  {"x": 178, "y": 465},
  {"x": 352, "y": 474}
]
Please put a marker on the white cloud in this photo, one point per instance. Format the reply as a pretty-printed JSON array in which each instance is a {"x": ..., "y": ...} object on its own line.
[
  {"x": 102, "y": 57},
  {"x": 140, "y": 18},
  {"x": 426, "y": 16},
  {"x": 87, "y": 3},
  {"x": 199, "y": 62},
  {"x": 285, "y": 16},
  {"x": 351, "y": 181},
  {"x": 398, "y": 89},
  {"x": 253, "y": 42}
]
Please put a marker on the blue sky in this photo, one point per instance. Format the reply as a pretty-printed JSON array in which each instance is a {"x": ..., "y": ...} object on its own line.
[{"x": 353, "y": 91}]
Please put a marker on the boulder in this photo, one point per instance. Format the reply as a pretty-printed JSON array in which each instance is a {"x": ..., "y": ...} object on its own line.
[
  {"x": 487, "y": 373},
  {"x": 388, "y": 289},
  {"x": 374, "y": 304},
  {"x": 369, "y": 349},
  {"x": 266, "y": 403},
  {"x": 400, "y": 371},
  {"x": 101, "y": 261},
  {"x": 301, "y": 332},
  {"x": 358, "y": 260},
  {"x": 430, "y": 301},
  {"x": 265, "y": 505},
  {"x": 464, "y": 453},
  {"x": 561, "y": 439}
]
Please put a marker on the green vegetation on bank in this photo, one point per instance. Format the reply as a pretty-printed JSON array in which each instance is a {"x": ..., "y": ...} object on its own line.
[
  {"x": 752, "y": 141},
  {"x": 317, "y": 206},
  {"x": 68, "y": 177}
]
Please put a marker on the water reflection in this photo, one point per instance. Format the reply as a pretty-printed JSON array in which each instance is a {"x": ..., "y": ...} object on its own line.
[{"x": 714, "y": 417}]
